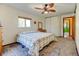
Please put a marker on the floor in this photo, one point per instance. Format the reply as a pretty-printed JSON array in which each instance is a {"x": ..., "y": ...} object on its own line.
[{"x": 63, "y": 47}]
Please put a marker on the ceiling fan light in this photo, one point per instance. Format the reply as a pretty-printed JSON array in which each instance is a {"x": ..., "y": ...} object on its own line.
[{"x": 46, "y": 12}]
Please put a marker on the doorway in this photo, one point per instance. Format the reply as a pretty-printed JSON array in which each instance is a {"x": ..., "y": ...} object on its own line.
[{"x": 69, "y": 27}]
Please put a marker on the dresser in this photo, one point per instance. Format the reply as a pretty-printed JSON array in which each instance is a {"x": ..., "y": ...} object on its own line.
[{"x": 1, "y": 48}]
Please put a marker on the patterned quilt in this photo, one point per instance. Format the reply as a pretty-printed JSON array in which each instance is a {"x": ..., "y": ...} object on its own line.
[{"x": 35, "y": 41}]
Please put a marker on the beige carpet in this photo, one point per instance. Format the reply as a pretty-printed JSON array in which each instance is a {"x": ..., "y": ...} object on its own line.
[{"x": 63, "y": 47}]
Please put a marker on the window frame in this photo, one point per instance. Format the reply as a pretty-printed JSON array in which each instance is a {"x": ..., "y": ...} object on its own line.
[{"x": 25, "y": 26}]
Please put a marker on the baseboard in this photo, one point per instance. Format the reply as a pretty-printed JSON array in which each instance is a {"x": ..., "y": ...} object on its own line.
[
  {"x": 60, "y": 36},
  {"x": 77, "y": 52},
  {"x": 10, "y": 44},
  {"x": 76, "y": 49}
]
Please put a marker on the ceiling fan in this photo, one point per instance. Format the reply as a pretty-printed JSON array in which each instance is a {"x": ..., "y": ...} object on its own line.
[{"x": 47, "y": 8}]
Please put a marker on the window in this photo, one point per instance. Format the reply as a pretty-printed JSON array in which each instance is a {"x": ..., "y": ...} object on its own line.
[
  {"x": 21, "y": 22},
  {"x": 24, "y": 22},
  {"x": 27, "y": 23}
]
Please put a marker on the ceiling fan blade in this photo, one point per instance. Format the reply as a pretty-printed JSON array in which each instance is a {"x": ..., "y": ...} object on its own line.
[
  {"x": 52, "y": 10},
  {"x": 51, "y": 4},
  {"x": 39, "y": 8}
]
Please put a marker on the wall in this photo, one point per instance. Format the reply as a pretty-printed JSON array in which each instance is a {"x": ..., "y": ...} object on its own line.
[
  {"x": 77, "y": 27},
  {"x": 8, "y": 18}
]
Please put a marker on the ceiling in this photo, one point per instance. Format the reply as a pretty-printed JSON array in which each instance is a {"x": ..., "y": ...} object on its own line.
[{"x": 61, "y": 8}]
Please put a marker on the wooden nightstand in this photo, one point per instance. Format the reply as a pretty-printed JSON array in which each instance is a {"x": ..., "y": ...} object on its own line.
[
  {"x": 41, "y": 30},
  {"x": 1, "y": 48}
]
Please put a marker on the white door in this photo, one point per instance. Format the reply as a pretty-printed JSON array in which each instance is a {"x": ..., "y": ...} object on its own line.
[
  {"x": 55, "y": 25},
  {"x": 48, "y": 24}
]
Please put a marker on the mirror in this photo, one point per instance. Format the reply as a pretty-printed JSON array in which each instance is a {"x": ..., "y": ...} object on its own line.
[{"x": 40, "y": 25}]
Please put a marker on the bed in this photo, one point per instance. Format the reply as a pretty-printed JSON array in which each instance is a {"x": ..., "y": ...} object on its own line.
[{"x": 35, "y": 41}]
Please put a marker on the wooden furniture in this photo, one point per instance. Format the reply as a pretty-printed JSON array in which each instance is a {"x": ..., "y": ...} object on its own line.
[
  {"x": 41, "y": 30},
  {"x": 1, "y": 41}
]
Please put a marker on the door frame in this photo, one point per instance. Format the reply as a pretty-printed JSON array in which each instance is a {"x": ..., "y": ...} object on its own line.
[{"x": 69, "y": 25}]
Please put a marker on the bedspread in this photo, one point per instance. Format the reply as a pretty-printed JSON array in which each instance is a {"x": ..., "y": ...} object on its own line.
[{"x": 35, "y": 41}]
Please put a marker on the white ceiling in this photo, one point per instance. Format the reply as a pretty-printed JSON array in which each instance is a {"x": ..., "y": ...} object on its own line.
[{"x": 61, "y": 8}]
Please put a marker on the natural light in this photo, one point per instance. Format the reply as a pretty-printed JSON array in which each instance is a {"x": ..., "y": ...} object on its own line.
[{"x": 23, "y": 22}]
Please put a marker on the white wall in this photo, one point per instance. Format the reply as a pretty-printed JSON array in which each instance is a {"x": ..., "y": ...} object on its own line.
[
  {"x": 77, "y": 27},
  {"x": 8, "y": 18}
]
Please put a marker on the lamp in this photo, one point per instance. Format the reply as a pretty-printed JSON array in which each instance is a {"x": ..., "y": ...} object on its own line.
[{"x": 45, "y": 12}]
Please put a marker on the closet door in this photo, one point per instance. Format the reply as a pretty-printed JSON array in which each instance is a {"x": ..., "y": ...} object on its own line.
[
  {"x": 55, "y": 25},
  {"x": 48, "y": 24}
]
